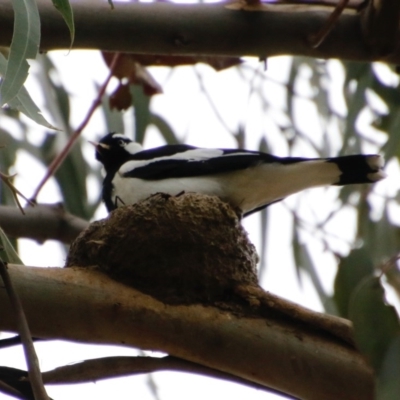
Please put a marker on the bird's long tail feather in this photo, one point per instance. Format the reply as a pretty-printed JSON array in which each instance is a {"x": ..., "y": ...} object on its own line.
[{"x": 359, "y": 169}]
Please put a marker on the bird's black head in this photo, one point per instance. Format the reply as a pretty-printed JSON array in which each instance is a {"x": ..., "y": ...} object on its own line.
[{"x": 115, "y": 149}]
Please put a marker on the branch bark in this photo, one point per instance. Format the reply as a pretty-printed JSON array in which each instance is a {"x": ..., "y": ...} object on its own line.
[
  {"x": 206, "y": 29},
  {"x": 87, "y": 306},
  {"x": 380, "y": 23},
  {"x": 42, "y": 222}
]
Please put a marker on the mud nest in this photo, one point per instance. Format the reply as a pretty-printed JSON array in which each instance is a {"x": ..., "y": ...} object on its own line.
[{"x": 183, "y": 249}]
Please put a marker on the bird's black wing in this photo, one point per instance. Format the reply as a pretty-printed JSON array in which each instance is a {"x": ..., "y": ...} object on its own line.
[
  {"x": 167, "y": 163},
  {"x": 162, "y": 151}
]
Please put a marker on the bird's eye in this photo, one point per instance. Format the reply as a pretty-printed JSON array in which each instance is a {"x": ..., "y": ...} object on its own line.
[{"x": 121, "y": 143}]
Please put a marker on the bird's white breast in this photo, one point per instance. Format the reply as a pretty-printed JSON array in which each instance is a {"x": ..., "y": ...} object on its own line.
[{"x": 133, "y": 190}]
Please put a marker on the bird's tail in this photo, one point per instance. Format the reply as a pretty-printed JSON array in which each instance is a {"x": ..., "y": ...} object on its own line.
[{"x": 359, "y": 168}]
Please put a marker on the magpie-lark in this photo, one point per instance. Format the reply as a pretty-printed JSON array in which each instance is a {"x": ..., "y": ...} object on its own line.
[{"x": 248, "y": 180}]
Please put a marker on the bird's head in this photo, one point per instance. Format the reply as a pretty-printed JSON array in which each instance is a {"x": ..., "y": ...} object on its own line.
[{"x": 115, "y": 149}]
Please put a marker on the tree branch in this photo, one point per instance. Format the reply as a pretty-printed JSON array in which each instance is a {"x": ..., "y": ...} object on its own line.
[
  {"x": 282, "y": 353},
  {"x": 207, "y": 29},
  {"x": 380, "y": 24},
  {"x": 32, "y": 361},
  {"x": 113, "y": 367},
  {"x": 42, "y": 222}
]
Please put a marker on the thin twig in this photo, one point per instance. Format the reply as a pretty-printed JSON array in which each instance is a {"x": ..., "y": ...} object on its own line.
[
  {"x": 15, "y": 341},
  {"x": 5, "y": 388},
  {"x": 7, "y": 180},
  {"x": 35, "y": 376},
  {"x": 317, "y": 39},
  {"x": 55, "y": 164},
  {"x": 111, "y": 367},
  {"x": 388, "y": 265}
]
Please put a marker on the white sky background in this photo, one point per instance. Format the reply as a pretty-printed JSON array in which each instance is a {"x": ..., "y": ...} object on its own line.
[{"x": 188, "y": 111}]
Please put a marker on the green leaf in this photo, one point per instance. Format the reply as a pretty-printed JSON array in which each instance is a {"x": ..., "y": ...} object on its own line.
[
  {"x": 114, "y": 120},
  {"x": 55, "y": 96},
  {"x": 64, "y": 7},
  {"x": 305, "y": 262},
  {"x": 24, "y": 45},
  {"x": 375, "y": 323},
  {"x": 352, "y": 270},
  {"x": 392, "y": 146},
  {"x": 7, "y": 252},
  {"x": 360, "y": 73},
  {"x": 388, "y": 383},
  {"x": 23, "y": 101},
  {"x": 164, "y": 128},
  {"x": 71, "y": 177},
  {"x": 141, "y": 104}
]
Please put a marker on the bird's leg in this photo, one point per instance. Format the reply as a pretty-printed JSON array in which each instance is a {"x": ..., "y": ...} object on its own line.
[{"x": 117, "y": 198}]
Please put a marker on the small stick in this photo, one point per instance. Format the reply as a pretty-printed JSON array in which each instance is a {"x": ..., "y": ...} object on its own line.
[{"x": 35, "y": 376}]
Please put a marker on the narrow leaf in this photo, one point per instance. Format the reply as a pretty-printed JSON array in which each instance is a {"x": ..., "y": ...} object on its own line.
[
  {"x": 24, "y": 45},
  {"x": 352, "y": 270},
  {"x": 307, "y": 264},
  {"x": 376, "y": 324},
  {"x": 23, "y": 101},
  {"x": 388, "y": 384},
  {"x": 164, "y": 128},
  {"x": 141, "y": 104},
  {"x": 7, "y": 252},
  {"x": 64, "y": 7}
]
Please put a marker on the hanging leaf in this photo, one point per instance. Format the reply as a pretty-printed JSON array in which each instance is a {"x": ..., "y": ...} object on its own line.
[
  {"x": 23, "y": 101},
  {"x": 127, "y": 67},
  {"x": 25, "y": 44},
  {"x": 142, "y": 112},
  {"x": 376, "y": 324},
  {"x": 388, "y": 382},
  {"x": 114, "y": 119},
  {"x": 306, "y": 263},
  {"x": 219, "y": 63},
  {"x": 165, "y": 128},
  {"x": 55, "y": 95},
  {"x": 7, "y": 252},
  {"x": 351, "y": 271},
  {"x": 64, "y": 7},
  {"x": 121, "y": 98}
]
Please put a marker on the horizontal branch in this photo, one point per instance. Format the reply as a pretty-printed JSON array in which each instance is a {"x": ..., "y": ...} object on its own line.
[
  {"x": 119, "y": 366},
  {"x": 41, "y": 222},
  {"x": 84, "y": 305},
  {"x": 206, "y": 29}
]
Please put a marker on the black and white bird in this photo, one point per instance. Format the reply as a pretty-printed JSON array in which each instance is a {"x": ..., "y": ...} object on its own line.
[{"x": 248, "y": 180}]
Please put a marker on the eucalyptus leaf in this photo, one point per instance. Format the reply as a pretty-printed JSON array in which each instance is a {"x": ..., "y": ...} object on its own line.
[
  {"x": 64, "y": 7},
  {"x": 392, "y": 146},
  {"x": 23, "y": 101},
  {"x": 306, "y": 263},
  {"x": 388, "y": 382},
  {"x": 164, "y": 128},
  {"x": 141, "y": 104},
  {"x": 24, "y": 45},
  {"x": 351, "y": 271},
  {"x": 376, "y": 323},
  {"x": 7, "y": 252},
  {"x": 114, "y": 120}
]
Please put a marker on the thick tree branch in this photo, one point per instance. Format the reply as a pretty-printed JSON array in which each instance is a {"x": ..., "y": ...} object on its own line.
[
  {"x": 207, "y": 29},
  {"x": 380, "y": 23},
  {"x": 42, "y": 222},
  {"x": 83, "y": 305}
]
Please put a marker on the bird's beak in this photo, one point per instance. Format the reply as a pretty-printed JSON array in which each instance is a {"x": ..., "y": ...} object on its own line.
[{"x": 97, "y": 145}]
